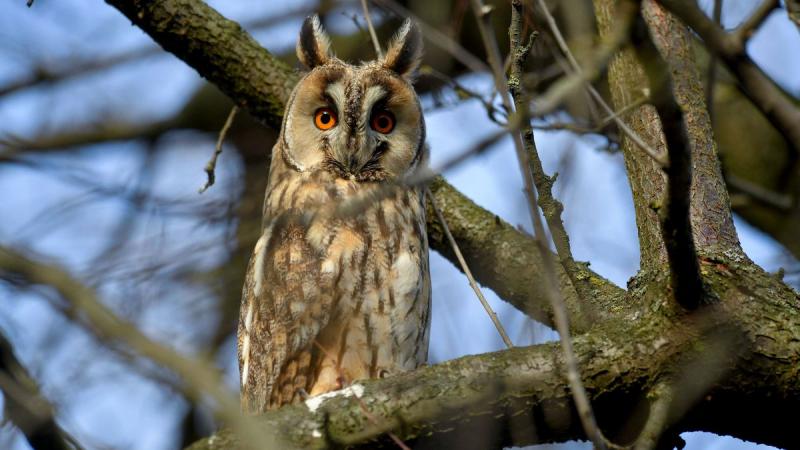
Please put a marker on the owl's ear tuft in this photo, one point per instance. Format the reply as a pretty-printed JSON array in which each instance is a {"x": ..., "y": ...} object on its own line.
[
  {"x": 405, "y": 51},
  {"x": 313, "y": 45}
]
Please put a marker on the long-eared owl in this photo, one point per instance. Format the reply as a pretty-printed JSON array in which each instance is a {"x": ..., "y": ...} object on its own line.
[{"x": 333, "y": 295}]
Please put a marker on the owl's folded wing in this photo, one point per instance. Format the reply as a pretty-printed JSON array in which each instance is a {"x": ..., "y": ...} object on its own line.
[{"x": 286, "y": 301}]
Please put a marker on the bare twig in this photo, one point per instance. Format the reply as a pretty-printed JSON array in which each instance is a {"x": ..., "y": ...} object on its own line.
[
  {"x": 759, "y": 193},
  {"x": 65, "y": 70},
  {"x": 745, "y": 31},
  {"x": 551, "y": 207},
  {"x": 464, "y": 267},
  {"x": 581, "y": 129},
  {"x": 212, "y": 163},
  {"x": 437, "y": 37},
  {"x": 649, "y": 150},
  {"x": 372, "y": 34},
  {"x": 581, "y": 79},
  {"x": 493, "y": 112},
  {"x": 553, "y": 292}
]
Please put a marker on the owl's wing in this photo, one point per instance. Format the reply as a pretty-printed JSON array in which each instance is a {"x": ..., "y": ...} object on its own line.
[{"x": 286, "y": 301}]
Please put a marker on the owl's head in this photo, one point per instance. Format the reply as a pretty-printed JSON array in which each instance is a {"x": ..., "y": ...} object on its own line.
[{"x": 357, "y": 122}]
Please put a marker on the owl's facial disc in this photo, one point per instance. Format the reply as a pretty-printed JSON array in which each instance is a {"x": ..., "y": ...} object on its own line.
[
  {"x": 380, "y": 126},
  {"x": 362, "y": 123}
]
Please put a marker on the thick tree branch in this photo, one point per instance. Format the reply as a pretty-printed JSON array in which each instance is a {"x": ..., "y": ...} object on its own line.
[
  {"x": 676, "y": 227},
  {"x": 776, "y": 104},
  {"x": 710, "y": 207},
  {"x": 627, "y": 79},
  {"x": 219, "y": 49}
]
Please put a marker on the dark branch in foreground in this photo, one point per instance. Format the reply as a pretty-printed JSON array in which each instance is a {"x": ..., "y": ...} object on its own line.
[
  {"x": 26, "y": 407},
  {"x": 676, "y": 228}
]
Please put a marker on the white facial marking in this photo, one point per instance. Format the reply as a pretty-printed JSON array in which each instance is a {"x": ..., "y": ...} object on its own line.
[
  {"x": 336, "y": 91},
  {"x": 373, "y": 94}
]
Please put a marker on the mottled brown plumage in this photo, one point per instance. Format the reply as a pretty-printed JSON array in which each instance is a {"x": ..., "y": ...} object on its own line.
[{"x": 331, "y": 297}]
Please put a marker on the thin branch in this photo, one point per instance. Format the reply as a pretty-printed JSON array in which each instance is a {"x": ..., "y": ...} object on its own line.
[
  {"x": 746, "y": 30},
  {"x": 372, "y": 34},
  {"x": 551, "y": 207},
  {"x": 465, "y": 268},
  {"x": 436, "y": 37},
  {"x": 212, "y": 163},
  {"x": 553, "y": 292},
  {"x": 111, "y": 131},
  {"x": 66, "y": 70},
  {"x": 759, "y": 193}
]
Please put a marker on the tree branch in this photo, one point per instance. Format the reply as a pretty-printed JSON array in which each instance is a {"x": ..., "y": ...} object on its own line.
[
  {"x": 710, "y": 207},
  {"x": 776, "y": 104},
  {"x": 26, "y": 407},
  {"x": 793, "y": 10},
  {"x": 647, "y": 179},
  {"x": 220, "y": 49},
  {"x": 676, "y": 227}
]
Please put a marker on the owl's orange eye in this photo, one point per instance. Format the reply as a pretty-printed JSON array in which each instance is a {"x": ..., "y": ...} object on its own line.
[
  {"x": 382, "y": 122},
  {"x": 325, "y": 118}
]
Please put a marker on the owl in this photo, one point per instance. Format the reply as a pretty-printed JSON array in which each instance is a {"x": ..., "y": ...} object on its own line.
[{"x": 332, "y": 297}]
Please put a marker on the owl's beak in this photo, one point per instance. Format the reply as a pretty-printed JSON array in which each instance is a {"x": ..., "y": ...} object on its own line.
[{"x": 353, "y": 166}]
